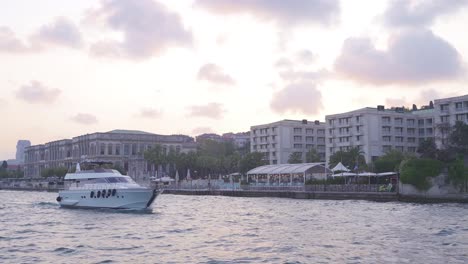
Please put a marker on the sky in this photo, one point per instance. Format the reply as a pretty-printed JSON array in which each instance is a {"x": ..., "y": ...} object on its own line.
[{"x": 214, "y": 66}]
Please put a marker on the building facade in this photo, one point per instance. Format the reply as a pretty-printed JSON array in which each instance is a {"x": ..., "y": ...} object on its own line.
[
  {"x": 378, "y": 130},
  {"x": 448, "y": 111},
  {"x": 375, "y": 131},
  {"x": 21, "y": 145},
  {"x": 124, "y": 148},
  {"x": 278, "y": 140},
  {"x": 240, "y": 140}
]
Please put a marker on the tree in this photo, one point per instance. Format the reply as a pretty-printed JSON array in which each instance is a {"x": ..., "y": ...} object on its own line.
[
  {"x": 458, "y": 138},
  {"x": 458, "y": 174},
  {"x": 250, "y": 161},
  {"x": 427, "y": 149},
  {"x": 4, "y": 165},
  {"x": 312, "y": 155},
  {"x": 155, "y": 156},
  {"x": 295, "y": 158},
  {"x": 390, "y": 161},
  {"x": 353, "y": 158}
]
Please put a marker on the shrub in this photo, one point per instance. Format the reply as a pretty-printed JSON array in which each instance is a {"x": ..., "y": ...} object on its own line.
[{"x": 418, "y": 171}]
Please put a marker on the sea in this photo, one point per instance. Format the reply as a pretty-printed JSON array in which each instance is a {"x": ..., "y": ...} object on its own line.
[{"x": 217, "y": 229}]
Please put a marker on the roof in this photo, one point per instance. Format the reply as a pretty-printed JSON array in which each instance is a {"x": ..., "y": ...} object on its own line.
[
  {"x": 340, "y": 167},
  {"x": 284, "y": 168},
  {"x": 123, "y": 131}
]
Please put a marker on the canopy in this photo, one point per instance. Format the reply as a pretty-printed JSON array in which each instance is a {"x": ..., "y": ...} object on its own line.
[
  {"x": 344, "y": 174},
  {"x": 386, "y": 173},
  {"x": 367, "y": 174},
  {"x": 340, "y": 167},
  {"x": 288, "y": 168}
]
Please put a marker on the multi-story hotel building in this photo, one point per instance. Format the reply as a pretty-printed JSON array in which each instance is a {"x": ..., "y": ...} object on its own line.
[
  {"x": 280, "y": 139},
  {"x": 378, "y": 130},
  {"x": 124, "y": 148},
  {"x": 448, "y": 111}
]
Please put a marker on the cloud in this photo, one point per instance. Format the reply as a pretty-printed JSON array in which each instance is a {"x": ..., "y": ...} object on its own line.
[
  {"x": 214, "y": 73},
  {"x": 202, "y": 130},
  {"x": 419, "y": 13},
  {"x": 283, "y": 63},
  {"x": 413, "y": 56},
  {"x": 85, "y": 119},
  {"x": 299, "y": 76},
  {"x": 148, "y": 28},
  {"x": 210, "y": 110},
  {"x": 36, "y": 92},
  {"x": 9, "y": 42},
  {"x": 283, "y": 12},
  {"x": 60, "y": 32},
  {"x": 3, "y": 103},
  {"x": 301, "y": 97},
  {"x": 150, "y": 113},
  {"x": 305, "y": 57}
]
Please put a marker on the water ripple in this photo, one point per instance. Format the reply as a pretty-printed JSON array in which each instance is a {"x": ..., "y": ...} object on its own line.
[{"x": 209, "y": 229}]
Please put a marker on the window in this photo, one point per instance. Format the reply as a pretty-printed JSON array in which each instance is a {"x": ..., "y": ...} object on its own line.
[
  {"x": 297, "y": 138},
  {"x": 273, "y": 129},
  {"x": 444, "y": 107},
  {"x": 358, "y": 138},
  {"x": 126, "y": 149},
  {"x": 411, "y": 140},
  {"x": 297, "y": 130},
  {"x": 459, "y": 105},
  {"x": 358, "y": 118},
  {"x": 273, "y": 145},
  {"x": 386, "y": 129},
  {"x": 330, "y": 140},
  {"x": 386, "y": 148},
  {"x": 429, "y": 121},
  {"x": 444, "y": 119},
  {"x": 109, "y": 149},
  {"x": 297, "y": 145},
  {"x": 399, "y": 148},
  {"x": 358, "y": 129},
  {"x": 331, "y": 122},
  {"x": 309, "y": 146},
  {"x": 309, "y": 131},
  {"x": 421, "y": 131},
  {"x": 385, "y": 119},
  {"x": 428, "y": 131},
  {"x": 398, "y": 130},
  {"x": 309, "y": 139},
  {"x": 321, "y": 132},
  {"x": 398, "y": 139},
  {"x": 103, "y": 149},
  {"x": 398, "y": 120},
  {"x": 273, "y": 154},
  {"x": 410, "y": 131},
  {"x": 412, "y": 149},
  {"x": 410, "y": 122},
  {"x": 387, "y": 138},
  {"x": 421, "y": 122},
  {"x": 134, "y": 149}
]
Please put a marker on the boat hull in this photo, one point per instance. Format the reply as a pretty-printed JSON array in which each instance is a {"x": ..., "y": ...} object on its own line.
[{"x": 137, "y": 199}]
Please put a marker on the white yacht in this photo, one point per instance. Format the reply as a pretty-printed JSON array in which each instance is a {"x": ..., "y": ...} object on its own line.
[{"x": 104, "y": 188}]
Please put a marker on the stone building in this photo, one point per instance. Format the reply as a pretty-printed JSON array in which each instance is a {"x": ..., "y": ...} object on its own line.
[{"x": 124, "y": 148}]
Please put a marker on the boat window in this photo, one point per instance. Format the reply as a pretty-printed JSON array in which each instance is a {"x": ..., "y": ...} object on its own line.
[
  {"x": 100, "y": 180},
  {"x": 112, "y": 180}
]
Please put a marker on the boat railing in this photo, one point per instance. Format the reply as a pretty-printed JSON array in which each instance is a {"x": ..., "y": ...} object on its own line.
[{"x": 99, "y": 186}]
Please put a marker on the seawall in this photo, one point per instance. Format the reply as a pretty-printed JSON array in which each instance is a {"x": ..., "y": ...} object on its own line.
[{"x": 376, "y": 196}]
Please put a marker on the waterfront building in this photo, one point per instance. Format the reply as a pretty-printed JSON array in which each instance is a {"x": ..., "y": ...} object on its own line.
[
  {"x": 278, "y": 140},
  {"x": 448, "y": 111},
  {"x": 124, "y": 148},
  {"x": 375, "y": 131},
  {"x": 209, "y": 136}
]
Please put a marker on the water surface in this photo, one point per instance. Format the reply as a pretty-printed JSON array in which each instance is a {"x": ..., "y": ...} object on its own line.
[{"x": 216, "y": 229}]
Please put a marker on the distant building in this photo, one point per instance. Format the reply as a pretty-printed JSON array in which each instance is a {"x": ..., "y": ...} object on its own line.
[
  {"x": 240, "y": 140},
  {"x": 20, "y": 147},
  {"x": 210, "y": 136},
  {"x": 278, "y": 140},
  {"x": 124, "y": 148}
]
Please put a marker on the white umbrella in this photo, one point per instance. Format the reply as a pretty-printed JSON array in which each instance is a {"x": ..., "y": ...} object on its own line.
[
  {"x": 188, "y": 174},
  {"x": 367, "y": 174},
  {"x": 340, "y": 167},
  {"x": 344, "y": 174},
  {"x": 177, "y": 177},
  {"x": 386, "y": 173}
]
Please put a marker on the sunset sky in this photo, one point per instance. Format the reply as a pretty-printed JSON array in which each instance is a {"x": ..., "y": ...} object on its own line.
[{"x": 188, "y": 67}]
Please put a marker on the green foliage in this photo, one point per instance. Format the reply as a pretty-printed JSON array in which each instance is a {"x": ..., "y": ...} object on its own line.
[
  {"x": 4, "y": 165},
  {"x": 459, "y": 138},
  {"x": 418, "y": 171},
  {"x": 458, "y": 174},
  {"x": 51, "y": 172},
  {"x": 250, "y": 161},
  {"x": 348, "y": 158},
  {"x": 390, "y": 161},
  {"x": 427, "y": 149},
  {"x": 312, "y": 155},
  {"x": 295, "y": 158}
]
